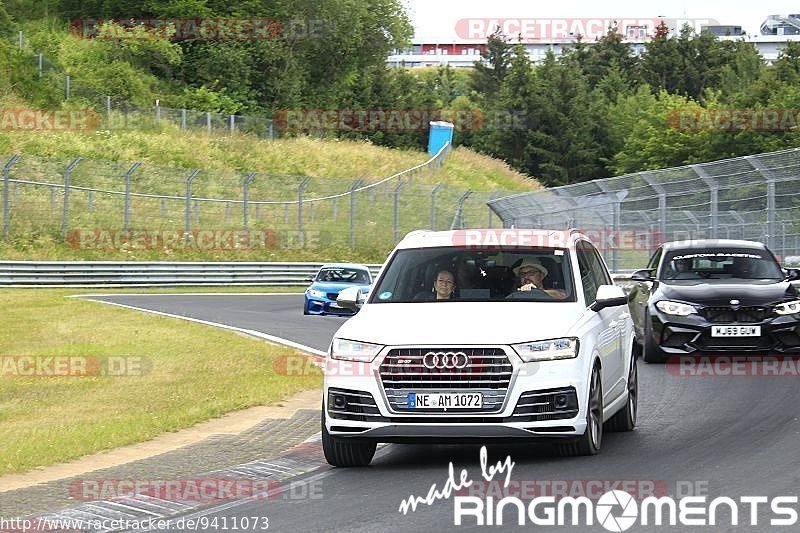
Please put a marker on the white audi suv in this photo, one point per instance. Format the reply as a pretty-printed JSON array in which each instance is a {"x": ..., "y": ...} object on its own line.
[{"x": 474, "y": 335}]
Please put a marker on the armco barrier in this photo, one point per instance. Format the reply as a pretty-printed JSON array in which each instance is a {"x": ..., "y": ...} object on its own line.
[
  {"x": 150, "y": 274},
  {"x": 171, "y": 274}
]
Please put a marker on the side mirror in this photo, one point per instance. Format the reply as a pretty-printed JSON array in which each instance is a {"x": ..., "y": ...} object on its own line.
[
  {"x": 351, "y": 298},
  {"x": 609, "y": 296},
  {"x": 792, "y": 274},
  {"x": 310, "y": 279},
  {"x": 643, "y": 275}
]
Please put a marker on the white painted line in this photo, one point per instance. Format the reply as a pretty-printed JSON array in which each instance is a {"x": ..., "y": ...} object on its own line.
[{"x": 253, "y": 333}]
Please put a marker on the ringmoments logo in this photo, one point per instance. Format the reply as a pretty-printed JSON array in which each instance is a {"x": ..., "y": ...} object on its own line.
[{"x": 615, "y": 510}]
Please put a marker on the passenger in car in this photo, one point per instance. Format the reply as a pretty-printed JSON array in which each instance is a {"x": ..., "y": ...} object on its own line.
[
  {"x": 444, "y": 288},
  {"x": 531, "y": 274}
]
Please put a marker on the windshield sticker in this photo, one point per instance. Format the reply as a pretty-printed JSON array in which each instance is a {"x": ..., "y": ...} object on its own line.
[
  {"x": 385, "y": 295},
  {"x": 558, "y": 252}
]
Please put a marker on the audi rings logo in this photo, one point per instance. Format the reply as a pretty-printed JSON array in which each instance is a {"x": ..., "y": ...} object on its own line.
[{"x": 443, "y": 360}]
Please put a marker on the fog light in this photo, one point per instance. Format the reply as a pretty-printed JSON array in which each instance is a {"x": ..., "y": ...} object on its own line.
[
  {"x": 561, "y": 401},
  {"x": 339, "y": 401}
]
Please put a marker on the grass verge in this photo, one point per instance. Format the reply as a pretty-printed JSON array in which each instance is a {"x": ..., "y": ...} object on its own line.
[{"x": 191, "y": 373}]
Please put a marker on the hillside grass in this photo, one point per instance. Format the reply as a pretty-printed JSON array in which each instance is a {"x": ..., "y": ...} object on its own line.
[
  {"x": 168, "y": 155},
  {"x": 320, "y": 158}
]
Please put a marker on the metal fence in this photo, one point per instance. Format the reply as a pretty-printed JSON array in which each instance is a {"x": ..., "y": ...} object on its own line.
[
  {"x": 151, "y": 274},
  {"x": 756, "y": 197},
  {"x": 118, "y": 114},
  {"x": 107, "y": 205}
]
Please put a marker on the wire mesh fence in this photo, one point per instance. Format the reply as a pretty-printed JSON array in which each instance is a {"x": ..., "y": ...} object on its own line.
[
  {"x": 113, "y": 205},
  {"x": 118, "y": 114},
  {"x": 755, "y": 197}
]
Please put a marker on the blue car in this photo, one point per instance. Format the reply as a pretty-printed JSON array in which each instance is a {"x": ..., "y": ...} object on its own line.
[{"x": 320, "y": 297}]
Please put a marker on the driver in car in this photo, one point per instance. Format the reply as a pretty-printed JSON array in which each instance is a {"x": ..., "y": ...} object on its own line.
[{"x": 531, "y": 274}]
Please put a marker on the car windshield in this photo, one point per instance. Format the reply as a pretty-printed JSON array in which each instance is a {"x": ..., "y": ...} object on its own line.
[
  {"x": 343, "y": 275},
  {"x": 456, "y": 274},
  {"x": 720, "y": 264}
]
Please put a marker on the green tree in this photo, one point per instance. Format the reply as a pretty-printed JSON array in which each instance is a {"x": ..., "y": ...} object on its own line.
[
  {"x": 507, "y": 139},
  {"x": 663, "y": 130},
  {"x": 7, "y": 25},
  {"x": 488, "y": 73},
  {"x": 558, "y": 143},
  {"x": 661, "y": 62},
  {"x": 610, "y": 51},
  {"x": 787, "y": 66}
]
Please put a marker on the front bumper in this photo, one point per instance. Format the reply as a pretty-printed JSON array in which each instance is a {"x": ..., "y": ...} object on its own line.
[
  {"x": 681, "y": 335},
  {"x": 544, "y": 401},
  {"x": 323, "y": 306}
]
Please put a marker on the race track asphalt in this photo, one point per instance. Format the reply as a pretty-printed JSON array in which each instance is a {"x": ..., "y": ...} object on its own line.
[{"x": 700, "y": 435}]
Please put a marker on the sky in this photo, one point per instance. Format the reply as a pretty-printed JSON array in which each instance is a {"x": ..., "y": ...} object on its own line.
[{"x": 438, "y": 19}]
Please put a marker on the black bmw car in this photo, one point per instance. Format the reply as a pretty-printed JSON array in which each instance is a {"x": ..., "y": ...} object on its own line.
[{"x": 707, "y": 296}]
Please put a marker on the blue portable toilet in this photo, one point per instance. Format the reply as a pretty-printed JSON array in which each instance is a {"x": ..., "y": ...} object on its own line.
[{"x": 441, "y": 133}]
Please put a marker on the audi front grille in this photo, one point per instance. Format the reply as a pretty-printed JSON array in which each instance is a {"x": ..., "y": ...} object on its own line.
[{"x": 484, "y": 370}]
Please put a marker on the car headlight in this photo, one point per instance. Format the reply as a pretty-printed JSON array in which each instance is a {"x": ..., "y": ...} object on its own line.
[
  {"x": 315, "y": 293},
  {"x": 347, "y": 350},
  {"x": 548, "y": 350},
  {"x": 675, "y": 308},
  {"x": 788, "y": 308}
]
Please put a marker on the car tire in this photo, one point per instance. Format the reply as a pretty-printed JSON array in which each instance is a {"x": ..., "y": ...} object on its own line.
[
  {"x": 345, "y": 452},
  {"x": 305, "y": 308},
  {"x": 651, "y": 353},
  {"x": 592, "y": 439},
  {"x": 625, "y": 418}
]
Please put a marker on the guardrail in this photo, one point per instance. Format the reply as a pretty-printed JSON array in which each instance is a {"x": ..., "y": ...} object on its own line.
[
  {"x": 156, "y": 274},
  {"x": 77, "y": 274}
]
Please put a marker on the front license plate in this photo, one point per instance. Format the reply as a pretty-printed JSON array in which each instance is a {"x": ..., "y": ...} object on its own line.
[
  {"x": 454, "y": 400},
  {"x": 736, "y": 331}
]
